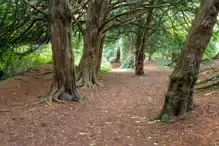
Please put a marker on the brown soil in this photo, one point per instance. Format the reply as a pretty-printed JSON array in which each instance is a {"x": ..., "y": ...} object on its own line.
[{"x": 117, "y": 113}]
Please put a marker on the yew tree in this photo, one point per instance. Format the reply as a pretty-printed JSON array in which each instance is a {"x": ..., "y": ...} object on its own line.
[
  {"x": 60, "y": 23},
  {"x": 93, "y": 43},
  {"x": 102, "y": 16},
  {"x": 141, "y": 45},
  {"x": 179, "y": 97}
]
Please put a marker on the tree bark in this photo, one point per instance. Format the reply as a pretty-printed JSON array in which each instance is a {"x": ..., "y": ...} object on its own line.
[
  {"x": 179, "y": 97},
  {"x": 87, "y": 72},
  {"x": 140, "y": 53},
  {"x": 63, "y": 83},
  {"x": 99, "y": 55},
  {"x": 118, "y": 55},
  {"x": 150, "y": 57}
]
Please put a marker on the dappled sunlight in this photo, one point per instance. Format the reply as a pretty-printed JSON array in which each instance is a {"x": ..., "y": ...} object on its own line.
[{"x": 118, "y": 70}]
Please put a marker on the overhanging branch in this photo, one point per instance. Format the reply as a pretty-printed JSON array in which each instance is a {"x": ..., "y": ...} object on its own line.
[{"x": 36, "y": 8}]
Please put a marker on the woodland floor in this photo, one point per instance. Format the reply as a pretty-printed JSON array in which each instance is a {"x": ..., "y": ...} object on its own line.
[{"x": 117, "y": 113}]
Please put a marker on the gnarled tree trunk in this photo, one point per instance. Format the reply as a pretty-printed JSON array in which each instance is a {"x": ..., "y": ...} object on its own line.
[
  {"x": 63, "y": 83},
  {"x": 179, "y": 97},
  {"x": 140, "y": 53},
  {"x": 96, "y": 15}
]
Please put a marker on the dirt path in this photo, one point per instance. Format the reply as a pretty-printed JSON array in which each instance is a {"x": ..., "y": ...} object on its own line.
[{"x": 115, "y": 114}]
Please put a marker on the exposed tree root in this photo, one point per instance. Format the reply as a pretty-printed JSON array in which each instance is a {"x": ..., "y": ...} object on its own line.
[
  {"x": 86, "y": 81},
  {"x": 139, "y": 71},
  {"x": 5, "y": 110},
  {"x": 207, "y": 80},
  {"x": 208, "y": 68},
  {"x": 59, "y": 96},
  {"x": 21, "y": 79},
  {"x": 209, "y": 86},
  {"x": 46, "y": 73},
  {"x": 175, "y": 119},
  {"x": 165, "y": 117},
  {"x": 54, "y": 95}
]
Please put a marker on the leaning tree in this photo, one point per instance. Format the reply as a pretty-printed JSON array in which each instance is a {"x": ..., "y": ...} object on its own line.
[{"x": 179, "y": 97}]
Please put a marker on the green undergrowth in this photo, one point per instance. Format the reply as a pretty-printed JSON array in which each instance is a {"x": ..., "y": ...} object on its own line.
[
  {"x": 105, "y": 69},
  {"x": 165, "y": 63},
  {"x": 129, "y": 63},
  {"x": 105, "y": 66}
]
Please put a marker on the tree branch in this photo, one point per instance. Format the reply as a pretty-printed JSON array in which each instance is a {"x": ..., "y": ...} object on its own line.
[
  {"x": 36, "y": 8},
  {"x": 79, "y": 25},
  {"x": 80, "y": 6}
]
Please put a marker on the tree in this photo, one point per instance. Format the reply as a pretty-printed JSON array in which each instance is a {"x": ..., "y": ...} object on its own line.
[
  {"x": 140, "y": 53},
  {"x": 18, "y": 29},
  {"x": 102, "y": 16},
  {"x": 179, "y": 97},
  {"x": 63, "y": 85},
  {"x": 60, "y": 21},
  {"x": 118, "y": 55},
  {"x": 93, "y": 44}
]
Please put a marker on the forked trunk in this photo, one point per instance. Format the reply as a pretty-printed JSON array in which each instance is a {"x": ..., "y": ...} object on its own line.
[
  {"x": 86, "y": 75},
  {"x": 140, "y": 53},
  {"x": 179, "y": 97},
  {"x": 63, "y": 83},
  {"x": 90, "y": 61}
]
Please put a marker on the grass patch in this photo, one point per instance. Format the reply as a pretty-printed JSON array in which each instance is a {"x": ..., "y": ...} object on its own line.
[{"x": 165, "y": 63}]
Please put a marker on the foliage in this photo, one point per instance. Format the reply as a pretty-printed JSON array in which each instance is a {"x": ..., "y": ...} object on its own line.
[
  {"x": 105, "y": 66},
  {"x": 111, "y": 47},
  {"x": 167, "y": 33},
  {"x": 12, "y": 64},
  {"x": 213, "y": 46},
  {"x": 129, "y": 63},
  {"x": 78, "y": 45}
]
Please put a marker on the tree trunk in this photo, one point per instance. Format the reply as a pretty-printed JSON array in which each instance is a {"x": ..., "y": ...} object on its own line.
[
  {"x": 99, "y": 54},
  {"x": 151, "y": 52},
  {"x": 179, "y": 97},
  {"x": 63, "y": 83},
  {"x": 150, "y": 57},
  {"x": 140, "y": 53},
  {"x": 118, "y": 55},
  {"x": 87, "y": 72}
]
